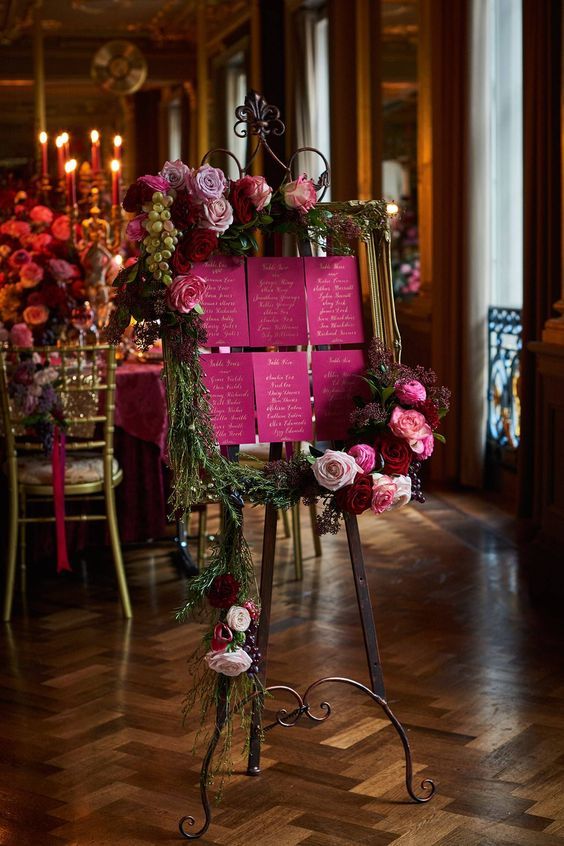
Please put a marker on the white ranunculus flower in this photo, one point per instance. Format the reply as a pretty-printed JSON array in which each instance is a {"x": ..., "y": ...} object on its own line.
[
  {"x": 238, "y": 618},
  {"x": 403, "y": 493},
  {"x": 229, "y": 663},
  {"x": 335, "y": 469}
]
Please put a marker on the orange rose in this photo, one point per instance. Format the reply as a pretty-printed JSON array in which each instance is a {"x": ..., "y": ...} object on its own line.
[{"x": 36, "y": 315}]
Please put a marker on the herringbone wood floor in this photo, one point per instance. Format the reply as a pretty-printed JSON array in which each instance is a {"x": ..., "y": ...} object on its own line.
[{"x": 93, "y": 751}]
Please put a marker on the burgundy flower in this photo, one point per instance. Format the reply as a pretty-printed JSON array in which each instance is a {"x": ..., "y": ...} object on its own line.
[
  {"x": 395, "y": 453},
  {"x": 142, "y": 190},
  {"x": 198, "y": 245},
  {"x": 184, "y": 211},
  {"x": 223, "y": 591},
  {"x": 357, "y": 497},
  {"x": 240, "y": 197},
  {"x": 429, "y": 409}
]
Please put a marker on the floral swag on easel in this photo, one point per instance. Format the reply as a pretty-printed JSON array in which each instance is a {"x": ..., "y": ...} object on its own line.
[{"x": 185, "y": 215}]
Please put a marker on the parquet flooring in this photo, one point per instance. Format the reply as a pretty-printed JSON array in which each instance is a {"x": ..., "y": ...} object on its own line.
[{"x": 93, "y": 751}]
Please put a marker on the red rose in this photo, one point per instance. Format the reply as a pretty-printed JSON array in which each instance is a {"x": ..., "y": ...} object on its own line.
[
  {"x": 142, "y": 190},
  {"x": 180, "y": 261},
  {"x": 357, "y": 497},
  {"x": 395, "y": 453},
  {"x": 429, "y": 409},
  {"x": 223, "y": 591},
  {"x": 243, "y": 206},
  {"x": 184, "y": 211},
  {"x": 198, "y": 245}
]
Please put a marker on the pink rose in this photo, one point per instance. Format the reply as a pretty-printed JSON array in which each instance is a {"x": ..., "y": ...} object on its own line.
[
  {"x": 364, "y": 455},
  {"x": 15, "y": 228},
  {"x": 40, "y": 242},
  {"x": 60, "y": 228},
  {"x": 206, "y": 183},
  {"x": 424, "y": 447},
  {"x": 186, "y": 292},
  {"x": 383, "y": 493},
  {"x": 300, "y": 194},
  {"x": 31, "y": 274},
  {"x": 410, "y": 391},
  {"x": 20, "y": 335},
  {"x": 335, "y": 469},
  {"x": 41, "y": 214},
  {"x": 410, "y": 425},
  {"x": 260, "y": 192},
  {"x": 19, "y": 258},
  {"x": 229, "y": 663},
  {"x": 135, "y": 230},
  {"x": 217, "y": 215},
  {"x": 403, "y": 491},
  {"x": 36, "y": 315},
  {"x": 62, "y": 270},
  {"x": 175, "y": 173}
]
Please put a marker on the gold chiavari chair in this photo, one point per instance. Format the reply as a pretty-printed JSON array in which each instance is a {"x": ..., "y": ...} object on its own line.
[{"x": 86, "y": 386}]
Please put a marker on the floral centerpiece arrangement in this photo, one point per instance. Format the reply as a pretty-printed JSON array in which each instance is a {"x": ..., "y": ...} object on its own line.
[{"x": 185, "y": 215}]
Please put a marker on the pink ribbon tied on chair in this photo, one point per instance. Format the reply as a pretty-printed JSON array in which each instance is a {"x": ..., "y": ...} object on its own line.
[{"x": 58, "y": 471}]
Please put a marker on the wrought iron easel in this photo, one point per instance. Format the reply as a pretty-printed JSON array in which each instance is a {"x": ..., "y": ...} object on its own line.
[{"x": 257, "y": 119}]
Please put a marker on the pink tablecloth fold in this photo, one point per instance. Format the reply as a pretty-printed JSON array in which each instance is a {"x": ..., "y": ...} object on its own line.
[{"x": 141, "y": 403}]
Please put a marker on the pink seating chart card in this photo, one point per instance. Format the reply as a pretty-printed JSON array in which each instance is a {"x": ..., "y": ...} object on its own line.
[
  {"x": 229, "y": 379},
  {"x": 225, "y": 301},
  {"x": 282, "y": 395},
  {"x": 334, "y": 301},
  {"x": 277, "y": 311},
  {"x": 335, "y": 382}
]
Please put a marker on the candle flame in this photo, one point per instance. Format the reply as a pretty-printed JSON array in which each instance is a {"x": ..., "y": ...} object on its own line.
[
  {"x": 59, "y": 141},
  {"x": 115, "y": 166},
  {"x": 117, "y": 140},
  {"x": 392, "y": 209},
  {"x": 42, "y": 137},
  {"x": 118, "y": 259},
  {"x": 70, "y": 166},
  {"x": 94, "y": 136},
  {"x": 65, "y": 136}
]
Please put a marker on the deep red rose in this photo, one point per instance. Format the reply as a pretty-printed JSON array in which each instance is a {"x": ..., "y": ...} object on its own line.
[
  {"x": 357, "y": 497},
  {"x": 198, "y": 245},
  {"x": 36, "y": 298},
  {"x": 223, "y": 591},
  {"x": 142, "y": 190},
  {"x": 184, "y": 211},
  {"x": 395, "y": 453},
  {"x": 429, "y": 409},
  {"x": 240, "y": 197},
  {"x": 180, "y": 261}
]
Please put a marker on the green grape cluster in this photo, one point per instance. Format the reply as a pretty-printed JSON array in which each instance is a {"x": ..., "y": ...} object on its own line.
[{"x": 162, "y": 237}]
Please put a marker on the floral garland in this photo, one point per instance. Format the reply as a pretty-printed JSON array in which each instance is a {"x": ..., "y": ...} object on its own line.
[
  {"x": 33, "y": 390},
  {"x": 183, "y": 216}
]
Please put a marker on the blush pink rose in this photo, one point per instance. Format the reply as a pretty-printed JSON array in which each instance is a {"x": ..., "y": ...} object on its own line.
[
  {"x": 383, "y": 493},
  {"x": 403, "y": 491},
  {"x": 238, "y": 618},
  {"x": 364, "y": 455},
  {"x": 260, "y": 192},
  {"x": 186, "y": 292},
  {"x": 31, "y": 274},
  {"x": 217, "y": 215},
  {"x": 425, "y": 447},
  {"x": 15, "y": 228},
  {"x": 36, "y": 315},
  {"x": 41, "y": 214},
  {"x": 300, "y": 194},
  {"x": 206, "y": 183},
  {"x": 40, "y": 242},
  {"x": 20, "y": 335},
  {"x": 135, "y": 229},
  {"x": 60, "y": 228},
  {"x": 228, "y": 663},
  {"x": 410, "y": 391},
  {"x": 175, "y": 174},
  {"x": 410, "y": 425},
  {"x": 334, "y": 469}
]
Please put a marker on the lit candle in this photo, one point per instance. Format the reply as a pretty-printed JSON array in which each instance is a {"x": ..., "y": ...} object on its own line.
[
  {"x": 60, "y": 156},
  {"x": 115, "y": 167},
  {"x": 392, "y": 209},
  {"x": 95, "y": 138},
  {"x": 66, "y": 143},
  {"x": 70, "y": 169},
  {"x": 43, "y": 142},
  {"x": 118, "y": 140}
]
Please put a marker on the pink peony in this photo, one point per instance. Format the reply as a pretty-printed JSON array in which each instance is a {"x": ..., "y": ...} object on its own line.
[
  {"x": 41, "y": 214},
  {"x": 403, "y": 491},
  {"x": 60, "y": 228},
  {"x": 383, "y": 493},
  {"x": 175, "y": 173},
  {"x": 410, "y": 425},
  {"x": 20, "y": 335},
  {"x": 410, "y": 391},
  {"x": 62, "y": 270},
  {"x": 335, "y": 469},
  {"x": 300, "y": 194},
  {"x": 260, "y": 192},
  {"x": 206, "y": 183},
  {"x": 364, "y": 455},
  {"x": 135, "y": 230},
  {"x": 36, "y": 315},
  {"x": 31, "y": 274},
  {"x": 186, "y": 292},
  {"x": 217, "y": 215},
  {"x": 229, "y": 663}
]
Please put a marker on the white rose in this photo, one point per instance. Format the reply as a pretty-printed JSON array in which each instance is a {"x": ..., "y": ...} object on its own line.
[
  {"x": 229, "y": 663},
  {"x": 218, "y": 215},
  {"x": 334, "y": 469},
  {"x": 403, "y": 492},
  {"x": 238, "y": 618}
]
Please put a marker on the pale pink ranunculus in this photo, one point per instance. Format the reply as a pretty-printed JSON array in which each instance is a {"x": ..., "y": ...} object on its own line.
[
  {"x": 403, "y": 491},
  {"x": 135, "y": 229},
  {"x": 410, "y": 425},
  {"x": 31, "y": 274},
  {"x": 229, "y": 663},
  {"x": 364, "y": 455},
  {"x": 217, "y": 215},
  {"x": 36, "y": 315},
  {"x": 41, "y": 214},
  {"x": 63, "y": 270},
  {"x": 383, "y": 493},
  {"x": 260, "y": 192},
  {"x": 424, "y": 448},
  {"x": 300, "y": 194},
  {"x": 335, "y": 469},
  {"x": 238, "y": 618},
  {"x": 186, "y": 292},
  {"x": 410, "y": 391},
  {"x": 20, "y": 335},
  {"x": 206, "y": 183},
  {"x": 61, "y": 228},
  {"x": 175, "y": 173}
]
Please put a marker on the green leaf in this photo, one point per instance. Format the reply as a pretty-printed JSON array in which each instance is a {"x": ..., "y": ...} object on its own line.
[
  {"x": 266, "y": 219},
  {"x": 443, "y": 411},
  {"x": 439, "y": 437},
  {"x": 387, "y": 393},
  {"x": 133, "y": 270},
  {"x": 198, "y": 309}
]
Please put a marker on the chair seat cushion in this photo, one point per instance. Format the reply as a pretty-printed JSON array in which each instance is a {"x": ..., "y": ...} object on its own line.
[{"x": 79, "y": 469}]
